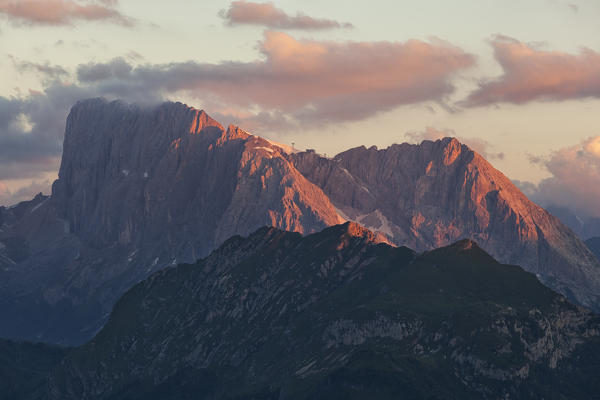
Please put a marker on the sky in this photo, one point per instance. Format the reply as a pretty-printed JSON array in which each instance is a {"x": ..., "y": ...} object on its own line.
[{"x": 518, "y": 81}]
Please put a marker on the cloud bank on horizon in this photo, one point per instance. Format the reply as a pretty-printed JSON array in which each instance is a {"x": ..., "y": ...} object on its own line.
[{"x": 293, "y": 84}]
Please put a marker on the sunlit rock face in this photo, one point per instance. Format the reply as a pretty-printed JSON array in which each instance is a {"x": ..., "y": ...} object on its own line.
[
  {"x": 131, "y": 176},
  {"x": 140, "y": 189},
  {"x": 429, "y": 195}
]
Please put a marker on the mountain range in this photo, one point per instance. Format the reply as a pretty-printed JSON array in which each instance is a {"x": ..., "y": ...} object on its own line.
[
  {"x": 594, "y": 245},
  {"x": 141, "y": 189},
  {"x": 334, "y": 315},
  {"x": 584, "y": 227}
]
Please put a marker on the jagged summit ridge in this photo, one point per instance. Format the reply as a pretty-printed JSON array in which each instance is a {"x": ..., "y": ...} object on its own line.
[
  {"x": 296, "y": 317},
  {"x": 430, "y": 195},
  {"x": 168, "y": 158},
  {"x": 355, "y": 230},
  {"x": 140, "y": 189}
]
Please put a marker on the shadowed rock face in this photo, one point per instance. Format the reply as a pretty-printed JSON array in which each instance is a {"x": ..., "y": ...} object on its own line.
[
  {"x": 429, "y": 195},
  {"x": 139, "y": 189},
  {"x": 334, "y": 315},
  {"x": 132, "y": 176}
]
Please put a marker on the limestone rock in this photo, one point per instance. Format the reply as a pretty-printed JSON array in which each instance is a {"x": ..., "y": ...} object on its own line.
[{"x": 430, "y": 195}]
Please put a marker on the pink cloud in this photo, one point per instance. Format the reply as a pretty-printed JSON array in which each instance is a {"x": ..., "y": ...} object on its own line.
[
  {"x": 61, "y": 12},
  {"x": 332, "y": 81},
  {"x": 292, "y": 84},
  {"x": 266, "y": 14},
  {"x": 532, "y": 74},
  {"x": 386, "y": 73},
  {"x": 575, "y": 180},
  {"x": 308, "y": 81}
]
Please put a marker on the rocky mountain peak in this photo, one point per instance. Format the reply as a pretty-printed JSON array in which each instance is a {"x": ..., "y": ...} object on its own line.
[
  {"x": 142, "y": 188},
  {"x": 465, "y": 245},
  {"x": 452, "y": 149},
  {"x": 139, "y": 189},
  {"x": 235, "y": 132},
  {"x": 435, "y": 193},
  {"x": 357, "y": 322},
  {"x": 355, "y": 230}
]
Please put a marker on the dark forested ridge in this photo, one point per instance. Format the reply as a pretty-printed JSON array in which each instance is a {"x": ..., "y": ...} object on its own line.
[{"x": 337, "y": 314}]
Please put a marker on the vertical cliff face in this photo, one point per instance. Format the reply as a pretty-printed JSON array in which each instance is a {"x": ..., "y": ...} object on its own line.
[
  {"x": 131, "y": 176},
  {"x": 429, "y": 195},
  {"x": 140, "y": 189}
]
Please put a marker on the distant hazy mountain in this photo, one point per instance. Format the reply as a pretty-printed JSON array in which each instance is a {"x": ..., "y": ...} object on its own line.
[
  {"x": 585, "y": 228},
  {"x": 140, "y": 189},
  {"x": 594, "y": 245},
  {"x": 334, "y": 315}
]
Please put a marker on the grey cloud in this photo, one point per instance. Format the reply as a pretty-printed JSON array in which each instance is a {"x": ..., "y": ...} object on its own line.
[
  {"x": 118, "y": 68},
  {"x": 28, "y": 150},
  {"x": 45, "y": 69}
]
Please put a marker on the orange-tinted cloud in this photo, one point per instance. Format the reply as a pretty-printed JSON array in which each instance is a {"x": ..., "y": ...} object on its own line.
[
  {"x": 309, "y": 81},
  {"x": 61, "y": 12},
  {"x": 532, "y": 74},
  {"x": 296, "y": 83},
  {"x": 266, "y": 14},
  {"x": 575, "y": 180}
]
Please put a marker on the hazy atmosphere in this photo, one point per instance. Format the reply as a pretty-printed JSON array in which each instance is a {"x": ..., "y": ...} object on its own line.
[{"x": 517, "y": 81}]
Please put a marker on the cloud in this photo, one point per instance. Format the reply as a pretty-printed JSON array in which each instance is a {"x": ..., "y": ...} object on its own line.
[
  {"x": 481, "y": 146},
  {"x": 118, "y": 68},
  {"x": 61, "y": 12},
  {"x": 45, "y": 69},
  {"x": 266, "y": 14},
  {"x": 294, "y": 84},
  {"x": 32, "y": 128},
  {"x": 8, "y": 198},
  {"x": 532, "y": 74},
  {"x": 4, "y": 194},
  {"x": 575, "y": 180},
  {"x": 310, "y": 81}
]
